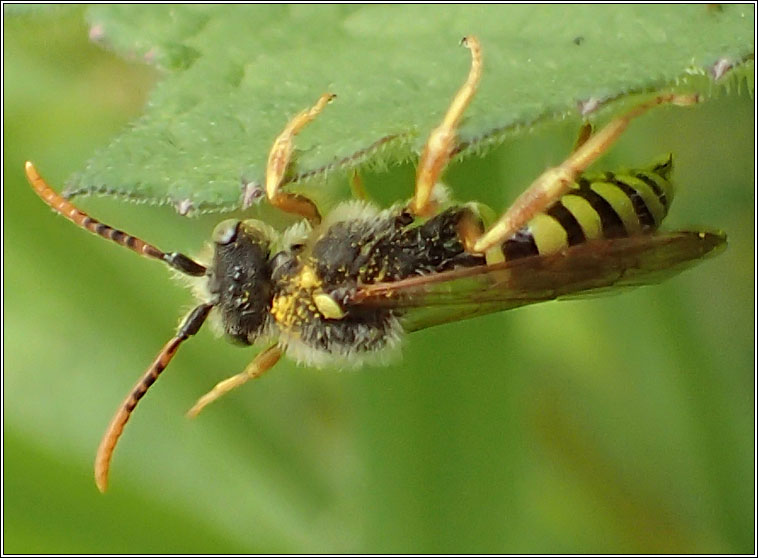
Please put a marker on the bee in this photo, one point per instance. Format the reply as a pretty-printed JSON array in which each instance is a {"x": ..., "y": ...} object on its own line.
[{"x": 345, "y": 288}]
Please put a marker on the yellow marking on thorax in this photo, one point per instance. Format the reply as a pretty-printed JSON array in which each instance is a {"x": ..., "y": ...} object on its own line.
[
  {"x": 304, "y": 300},
  {"x": 307, "y": 278},
  {"x": 282, "y": 308}
]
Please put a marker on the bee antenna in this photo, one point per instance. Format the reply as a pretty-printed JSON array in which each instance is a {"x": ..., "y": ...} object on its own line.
[
  {"x": 190, "y": 326},
  {"x": 75, "y": 215}
]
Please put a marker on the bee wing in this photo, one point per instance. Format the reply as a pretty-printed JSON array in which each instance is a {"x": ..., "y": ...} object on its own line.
[{"x": 586, "y": 269}]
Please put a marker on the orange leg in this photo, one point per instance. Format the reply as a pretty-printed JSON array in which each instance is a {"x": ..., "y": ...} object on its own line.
[
  {"x": 357, "y": 187},
  {"x": 442, "y": 140},
  {"x": 556, "y": 181},
  {"x": 260, "y": 364},
  {"x": 279, "y": 158}
]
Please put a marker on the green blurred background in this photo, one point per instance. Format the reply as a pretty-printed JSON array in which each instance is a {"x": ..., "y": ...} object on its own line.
[{"x": 617, "y": 424}]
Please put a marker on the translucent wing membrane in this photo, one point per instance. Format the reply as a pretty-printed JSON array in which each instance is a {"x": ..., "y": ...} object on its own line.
[{"x": 584, "y": 269}]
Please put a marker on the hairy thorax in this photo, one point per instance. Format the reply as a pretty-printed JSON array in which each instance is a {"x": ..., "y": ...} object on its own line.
[{"x": 356, "y": 246}]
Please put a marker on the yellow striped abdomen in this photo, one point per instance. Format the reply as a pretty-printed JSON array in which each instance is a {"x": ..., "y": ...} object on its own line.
[{"x": 607, "y": 205}]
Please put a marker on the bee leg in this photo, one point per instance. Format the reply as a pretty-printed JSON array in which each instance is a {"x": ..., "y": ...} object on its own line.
[
  {"x": 279, "y": 158},
  {"x": 469, "y": 229},
  {"x": 442, "y": 140},
  {"x": 556, "y": 181},
  {"x": 259, "y": 365}
]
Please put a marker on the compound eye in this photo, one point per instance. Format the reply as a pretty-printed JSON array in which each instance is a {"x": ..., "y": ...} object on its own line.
[{"x": 226, "y": 231}]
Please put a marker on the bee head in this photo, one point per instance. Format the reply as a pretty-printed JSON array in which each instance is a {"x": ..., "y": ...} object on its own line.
[{"x": 240, "y": 277}]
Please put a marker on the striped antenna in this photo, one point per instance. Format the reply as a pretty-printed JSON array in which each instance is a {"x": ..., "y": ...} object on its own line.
[
  {"x": 189, "y": 327},
  {"x": 75, "y": 215}
]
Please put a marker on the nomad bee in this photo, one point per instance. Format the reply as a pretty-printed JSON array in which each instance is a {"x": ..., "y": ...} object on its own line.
[{"x": 346, "y": 287}]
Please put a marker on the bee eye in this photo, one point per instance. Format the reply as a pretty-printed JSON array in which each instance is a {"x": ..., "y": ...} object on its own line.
[{"x": 226, "y": 231}]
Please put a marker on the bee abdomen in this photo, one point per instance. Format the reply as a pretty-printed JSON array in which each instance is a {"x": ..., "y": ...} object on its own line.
[{"x": 608, "y": 205}]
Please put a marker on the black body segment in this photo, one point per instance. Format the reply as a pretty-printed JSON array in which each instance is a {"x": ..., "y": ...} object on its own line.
[
  {"x": 239, "y": 281},
  {"x": 617, "y": 205},
  {"x": 613, "y": 226},
  {"x": 362, "y": 251},
  {"x": 431, "y": 247},
  {"x": 641, "y": 210},
  {"x": 567, "y": 220},
  {"x": 394, "y": 247},
  {"x": 653, "y": 180},
  {"x": 520, "y": 245}
]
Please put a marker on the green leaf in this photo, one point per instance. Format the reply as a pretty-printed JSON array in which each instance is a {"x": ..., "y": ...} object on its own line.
[
  {"x": 614, "y": 425},
  {"x": 236, "y": 74}
]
